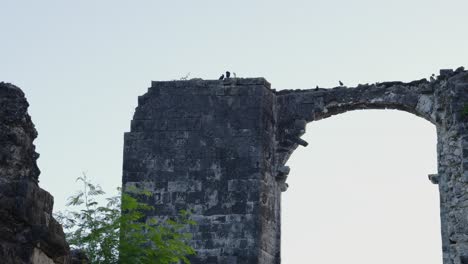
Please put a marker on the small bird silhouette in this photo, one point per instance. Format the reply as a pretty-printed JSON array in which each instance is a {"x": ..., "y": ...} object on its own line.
[
  {"x": 432, "y": 78},
  {"x": 228, "y": 74},
  {"x": 221, "y": 77},
  {"x": 341, "y": 84},
  {"x": 316, "y": 88}
]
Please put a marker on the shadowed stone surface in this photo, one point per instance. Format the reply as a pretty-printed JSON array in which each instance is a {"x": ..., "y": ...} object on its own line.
[
  {"x": 219, "y": 148},
  {"x": 28, "y": 232},
  {"x": 77, "y": 256}
]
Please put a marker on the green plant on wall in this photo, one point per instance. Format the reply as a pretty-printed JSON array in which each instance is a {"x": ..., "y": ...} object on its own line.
[{"x": 118, "y": 232}]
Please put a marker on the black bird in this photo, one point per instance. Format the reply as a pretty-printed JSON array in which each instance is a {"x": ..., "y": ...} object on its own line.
[
  {"x": 221, "y": 77},
  {"x": 316, "y": 88},
  {"x": 341, "y": 84},
  {"x": 228, "y": 74}
]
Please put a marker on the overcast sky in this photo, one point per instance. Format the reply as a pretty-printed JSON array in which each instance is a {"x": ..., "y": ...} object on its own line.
[{"x": 358, "y": 193}]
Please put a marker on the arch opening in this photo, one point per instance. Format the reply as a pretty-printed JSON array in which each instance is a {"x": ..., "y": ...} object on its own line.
[{"x": 360, "y": 194}]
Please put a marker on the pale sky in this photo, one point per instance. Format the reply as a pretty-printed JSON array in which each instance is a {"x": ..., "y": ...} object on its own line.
[{"x": 358, "y": 193}]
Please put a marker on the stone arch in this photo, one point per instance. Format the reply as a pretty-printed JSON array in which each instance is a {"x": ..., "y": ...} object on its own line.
[
  {"x": 297, "y": 108},
  {"x": 443, "y": 102}
]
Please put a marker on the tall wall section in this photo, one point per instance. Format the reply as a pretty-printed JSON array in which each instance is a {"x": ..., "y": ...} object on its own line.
[
  {"x": 207, "y": 147},
  {"x": 28, "y": 232}
]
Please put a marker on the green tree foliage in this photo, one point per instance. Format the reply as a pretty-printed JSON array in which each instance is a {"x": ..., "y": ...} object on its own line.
[{"x": 97, "y": 229}]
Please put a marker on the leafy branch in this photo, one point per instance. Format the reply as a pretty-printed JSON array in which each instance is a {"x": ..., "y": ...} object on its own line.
[{"x": 119, "y": 233}]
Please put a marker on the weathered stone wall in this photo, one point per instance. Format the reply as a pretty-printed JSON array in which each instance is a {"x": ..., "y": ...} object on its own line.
[
  {"x": 451, "y": 104},
  {"x": 219, "y": 148},
  {"x": 207, "y": 146},
  {"x": 28, "y": 232}
]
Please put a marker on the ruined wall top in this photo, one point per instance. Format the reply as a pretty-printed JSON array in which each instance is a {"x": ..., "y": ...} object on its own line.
[
  {"x": 212, "y": 83},
  {"x": 17, "y": 151},
  {"x": 430, "y": 99}
]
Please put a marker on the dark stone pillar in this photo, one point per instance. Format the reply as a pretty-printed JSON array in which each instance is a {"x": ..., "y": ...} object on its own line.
[
  {"x": 452, "y": 151},
  {"x": 207, "y": 146}
]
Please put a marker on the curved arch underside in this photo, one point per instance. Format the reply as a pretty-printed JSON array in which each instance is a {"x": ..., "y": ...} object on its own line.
[
  {"x": 296, "y": 108},
  {"x": 442, "y": 101},
  {"x": 312, "y": 105}
]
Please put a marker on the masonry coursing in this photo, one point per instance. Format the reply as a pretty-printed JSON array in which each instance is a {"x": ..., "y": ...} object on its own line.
[{"x": 202, "y": 147}]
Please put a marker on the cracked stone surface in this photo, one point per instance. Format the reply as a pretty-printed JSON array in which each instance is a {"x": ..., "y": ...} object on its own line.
[{"x": 220, "y": 148}]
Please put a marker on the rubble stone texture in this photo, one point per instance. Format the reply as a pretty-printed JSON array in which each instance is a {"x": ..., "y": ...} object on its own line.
[
  {"x": 219, "y": 149},
  {"x": 28, "y": 232}
]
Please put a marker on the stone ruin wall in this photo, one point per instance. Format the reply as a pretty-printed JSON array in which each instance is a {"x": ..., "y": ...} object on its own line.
[
  {"x": 442, "y": 101},
  {"x": 208, "y": 148},
  {"x": 219, "y": 148},
  {"x": 28, "y": 232}
]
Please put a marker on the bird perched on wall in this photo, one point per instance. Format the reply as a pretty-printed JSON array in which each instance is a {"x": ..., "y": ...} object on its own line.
[
  {"x": 316, "y": 88},
  {"x": 341, "y": 83},
  {"x": 228, "y": 74},
  {"x": 221, "y": 77},
  {"x": 432, "y": 78}
]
